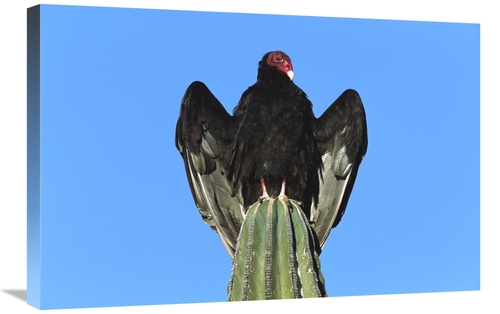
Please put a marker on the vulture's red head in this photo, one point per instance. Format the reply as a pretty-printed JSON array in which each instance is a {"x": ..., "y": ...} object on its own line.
[{"x": 279, "y": 60}]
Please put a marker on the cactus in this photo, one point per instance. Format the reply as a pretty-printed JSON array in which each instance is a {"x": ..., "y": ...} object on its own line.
[{"x": 275, "y": 255}]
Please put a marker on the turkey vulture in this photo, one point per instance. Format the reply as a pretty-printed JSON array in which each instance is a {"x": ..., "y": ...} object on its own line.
[{"x": 272, "y": 146}]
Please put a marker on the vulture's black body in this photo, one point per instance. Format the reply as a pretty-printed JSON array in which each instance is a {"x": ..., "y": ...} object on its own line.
[{"x": 272, "y": 138}]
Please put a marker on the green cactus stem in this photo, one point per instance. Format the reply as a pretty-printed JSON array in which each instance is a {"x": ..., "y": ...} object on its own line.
[{"x": 275, "y": 256}]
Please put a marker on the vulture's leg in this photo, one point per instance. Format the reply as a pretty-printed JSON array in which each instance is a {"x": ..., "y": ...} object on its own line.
[{"x": 264, "y": 196}]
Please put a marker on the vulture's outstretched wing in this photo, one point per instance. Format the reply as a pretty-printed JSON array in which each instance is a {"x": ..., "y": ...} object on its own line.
[
  {"x": 341, "y": 136},
  {"x": 204, "y": 136}
]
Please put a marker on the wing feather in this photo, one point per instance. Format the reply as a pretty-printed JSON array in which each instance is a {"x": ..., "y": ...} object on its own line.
[
  {"x": 341, "y": 136},
  {"x": 203, "y": 137}
]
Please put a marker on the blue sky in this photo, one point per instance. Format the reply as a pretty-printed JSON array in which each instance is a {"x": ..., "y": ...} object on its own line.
[{"x": 117, "y": 212}]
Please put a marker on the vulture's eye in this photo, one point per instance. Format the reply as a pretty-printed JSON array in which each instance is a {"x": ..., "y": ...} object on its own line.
[{"x": 278, "y": 59}]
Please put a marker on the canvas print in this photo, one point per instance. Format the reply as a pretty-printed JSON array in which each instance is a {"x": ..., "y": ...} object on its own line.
[{"x": 111, "y": 215}]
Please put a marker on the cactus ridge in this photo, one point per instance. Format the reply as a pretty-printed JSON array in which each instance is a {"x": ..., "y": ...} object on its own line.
[{"x": 275, "y": 255}]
